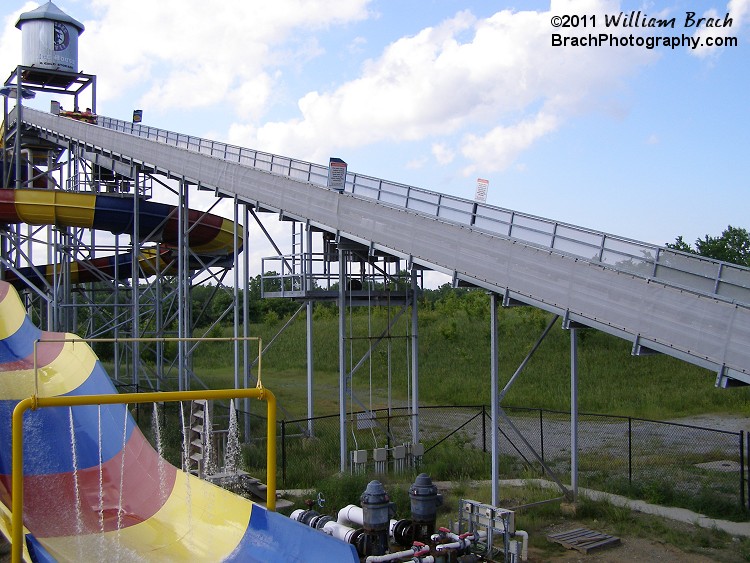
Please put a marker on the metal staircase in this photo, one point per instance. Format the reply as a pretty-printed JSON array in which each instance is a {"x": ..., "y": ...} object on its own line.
[{"x": 198, "y": 457}]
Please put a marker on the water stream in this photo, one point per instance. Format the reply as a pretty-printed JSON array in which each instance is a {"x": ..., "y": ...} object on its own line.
[
  {"x": 76, "y": 487},
  {"x": 122, "y": 481},
  {"x": 159, "y": 443},
  {"x": 209, "y": 465},
  {"x": 101, "y": 469},
  {"x": 232, "y": 453}
]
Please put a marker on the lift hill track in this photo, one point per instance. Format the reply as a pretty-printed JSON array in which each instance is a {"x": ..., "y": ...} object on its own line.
[{"x": 689, "y": 307}]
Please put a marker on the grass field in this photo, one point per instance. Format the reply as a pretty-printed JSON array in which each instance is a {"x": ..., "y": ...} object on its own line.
[{"x": 454, "y": 366}]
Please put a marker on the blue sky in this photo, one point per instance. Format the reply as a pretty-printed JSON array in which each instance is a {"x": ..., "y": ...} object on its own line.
[{"x": 646, "y": 144}]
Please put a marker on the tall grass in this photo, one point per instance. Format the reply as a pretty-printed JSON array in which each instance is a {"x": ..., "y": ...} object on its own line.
[{"x": 454, "y": 366}]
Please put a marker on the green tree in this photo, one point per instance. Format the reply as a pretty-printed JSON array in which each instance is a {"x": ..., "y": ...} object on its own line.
[
  {"x": 680, "y": 244},
  {"x": 733, "y": 245}
]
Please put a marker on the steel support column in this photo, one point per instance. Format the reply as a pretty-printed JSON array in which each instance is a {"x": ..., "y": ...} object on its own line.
[
  {"x": 308, "y": 284},
  {"x": 414, "y": 359},
  {"x": 182, "y": 321},
  {"x": 342, "y": 360},
  {"x": 574, "y": 411},
  {"x": 135, "y": 285},
  {"x": 495, "y": 398},
  {"x": 236, "y": 295},
  {"x": 246, "y": 314}
]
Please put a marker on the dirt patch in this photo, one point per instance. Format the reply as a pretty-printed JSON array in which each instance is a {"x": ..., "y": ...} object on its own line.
[
  {"x": 725, "y": 422},
  {"x": 710, "y": 547},
  {"x": 630, "y": 550}
]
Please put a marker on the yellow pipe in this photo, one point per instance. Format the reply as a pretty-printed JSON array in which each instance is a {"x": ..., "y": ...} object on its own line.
[{"x": 35, "y": 402}]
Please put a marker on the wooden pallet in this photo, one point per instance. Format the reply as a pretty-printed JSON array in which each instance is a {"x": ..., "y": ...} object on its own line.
[{"x": 584, "y": 540}]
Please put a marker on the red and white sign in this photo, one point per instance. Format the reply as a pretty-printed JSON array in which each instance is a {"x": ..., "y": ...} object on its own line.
[
  {"x": 482, "y": 187},
  {"x": 336, "y": 174}
]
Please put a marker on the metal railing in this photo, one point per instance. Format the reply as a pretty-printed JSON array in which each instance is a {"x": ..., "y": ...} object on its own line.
[{"x": 694, "y": 273}]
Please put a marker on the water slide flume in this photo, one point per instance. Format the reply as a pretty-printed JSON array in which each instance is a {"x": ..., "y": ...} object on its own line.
[
  {"x": 34, "y": 402},
  {"x": 93, "y": 486},
  {"x": 210, "y": 236}
]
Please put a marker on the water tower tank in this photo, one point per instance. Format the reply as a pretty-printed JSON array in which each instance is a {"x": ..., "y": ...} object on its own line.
[{"x": 50, "y": 38}]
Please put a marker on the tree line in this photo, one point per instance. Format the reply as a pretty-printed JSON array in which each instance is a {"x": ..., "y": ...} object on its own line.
[{"x": 732, "y": 245}]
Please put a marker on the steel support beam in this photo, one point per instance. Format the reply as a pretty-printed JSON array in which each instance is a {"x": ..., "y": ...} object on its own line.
[
  {"x": 574, "y": 412},
  {"x": 495, "y": 400},
  {"x": 342, "y": 360}
]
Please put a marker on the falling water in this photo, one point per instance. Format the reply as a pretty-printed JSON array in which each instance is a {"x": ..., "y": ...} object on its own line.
[
  {"x": 77, "y": 490},
  {"x": 185, "y": 438},
  {"x": 232, "y": 454},
  {"x": 101, "y": 470},
  {"x": 122, "y": 469},
  {"x": 209, "y": 466},
  {"x": 156, "y": 425}
]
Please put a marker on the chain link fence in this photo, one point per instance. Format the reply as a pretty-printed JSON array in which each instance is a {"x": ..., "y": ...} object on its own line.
[
  {"x": 668, "y": 463},
  {"x": 663, "y": 462}
]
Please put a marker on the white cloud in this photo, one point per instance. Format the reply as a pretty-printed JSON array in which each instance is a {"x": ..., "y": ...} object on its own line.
[
  {"x": 10, "y": 42},
  {"x": 442, "y": 153},
  {"x": 357, "y": 45},
  {"x": 465, "y": 74},
  {"x": 737, "y": 10},
  {"x": 501, "y": 146},
  {"x": 193, "y": 53}
]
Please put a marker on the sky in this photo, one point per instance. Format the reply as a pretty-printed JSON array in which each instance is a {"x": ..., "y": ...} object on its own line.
[{"x": 647, "y": 144}]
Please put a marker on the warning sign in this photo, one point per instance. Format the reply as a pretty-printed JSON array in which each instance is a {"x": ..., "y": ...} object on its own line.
[
  {"x": 482, "y": 187},
  {"x": 336, "y": 174}
]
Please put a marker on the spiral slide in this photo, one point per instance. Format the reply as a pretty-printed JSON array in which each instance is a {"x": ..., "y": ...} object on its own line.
[
  {"x": 94, "y": 488},
  {"x": 210, "y": 235}
]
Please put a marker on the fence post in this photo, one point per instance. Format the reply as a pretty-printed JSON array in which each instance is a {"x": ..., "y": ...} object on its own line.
[
  {"x": 388, "y": 434},
  {"x": 484, "y": 430},
  {"x": 742, "y": 468},
  {"x": 630, "y": 451},
  {"x": 283, "y": 451},
  {"x": 541, "y": 438}
]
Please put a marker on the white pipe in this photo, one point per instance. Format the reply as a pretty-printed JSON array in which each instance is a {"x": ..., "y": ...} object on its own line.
[
  {"x": 418, "y": 552},
  {"x": 442, "y": 534},
  {"x": 352, "y": 514},
  {"x": 390, "y": 556},
  {"x": 524, "y": 545},
  {"x": 296, "y": 514},
  {"x": 338, "y": 530},
  {"x": 460, "y": 544}
]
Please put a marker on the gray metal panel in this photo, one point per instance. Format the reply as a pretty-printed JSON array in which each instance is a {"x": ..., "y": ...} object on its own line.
[{"x": 704, "y": 330}]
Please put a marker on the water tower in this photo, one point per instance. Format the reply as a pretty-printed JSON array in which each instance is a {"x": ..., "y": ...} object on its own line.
[
  {"x": 49, "y": 65},
  {"x": 50, "y": 38},
  {"x": 49, "y": 56}
]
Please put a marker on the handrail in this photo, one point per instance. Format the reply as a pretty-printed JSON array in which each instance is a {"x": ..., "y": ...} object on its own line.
[
  {"x": 672, "y": 267},
  {"x": 34, "y": 402},
  {"x": 686, "y": 271}
]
